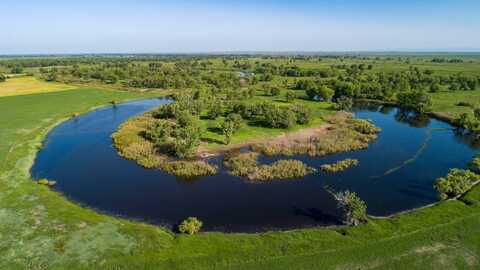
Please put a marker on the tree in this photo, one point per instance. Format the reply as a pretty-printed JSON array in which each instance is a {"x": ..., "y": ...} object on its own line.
[
  {"x": 303, "y": 114},
  {"x": 2, "y": 78},
  {"x": 191, "y": 225},
  {"x": 290, "y": 96},
  {"x": 325, "y": 93},
  {"x": 354, "y": 208},
  {"x": 230, "y": 125},
  {"x": 187, "y": 139},
  {"x": 414, "y": 100}
]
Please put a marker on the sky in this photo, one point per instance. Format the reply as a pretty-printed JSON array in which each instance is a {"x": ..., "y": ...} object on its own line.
[{"x": 188, "y": 26}]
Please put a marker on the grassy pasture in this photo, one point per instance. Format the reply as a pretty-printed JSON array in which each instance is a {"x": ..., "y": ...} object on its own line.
[
  {"x": 30, "y": 85},
  {"x": 40, "y": 229}
]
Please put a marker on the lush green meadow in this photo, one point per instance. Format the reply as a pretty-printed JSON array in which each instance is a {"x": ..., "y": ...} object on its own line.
[{"x": 40, "y": 229}]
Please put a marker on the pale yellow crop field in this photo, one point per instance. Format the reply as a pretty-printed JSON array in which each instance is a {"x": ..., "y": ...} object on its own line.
[{"x": 30, "y": 85}]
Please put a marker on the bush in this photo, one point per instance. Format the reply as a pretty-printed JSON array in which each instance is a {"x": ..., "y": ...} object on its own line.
[
  {"x": 456, "y": 183},
  {"x": 290, "y": 96},
  {"x": 188, "y": 169},
  {"x": 2, "y": 78},
  {"x": 355, "y": 209},
  {"x": 344, "y": 103},
  {"x": 191, "y": 225},
  {"x": 303, "y": 114},
  {"x": 339, "y": 166},
  {"x": 245, "y": 165},
  {"x": 280, "y": 170}
]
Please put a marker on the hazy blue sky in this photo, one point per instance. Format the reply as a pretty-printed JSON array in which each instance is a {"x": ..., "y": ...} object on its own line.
[{"x": 204, "y": 26}]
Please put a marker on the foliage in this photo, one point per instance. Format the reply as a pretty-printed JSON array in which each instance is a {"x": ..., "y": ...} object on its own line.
[
  {"x": 474, "y": 165},
  {"x": 456, "y": 183},
  {"x": 188, "y": 169},
  {"x": 290, "y": 96},
  {"x": 339, "y": 165},
  {"x": 344, "y": 103},
  {"x": 191, "y": 226},
  {"x": 354, "y": 208},
  {"x": 2, "y": 78},
  {"x": 302, "y": 114},
  {"x": 245, "y": 165},
  {"x": 414, "y": 100}
]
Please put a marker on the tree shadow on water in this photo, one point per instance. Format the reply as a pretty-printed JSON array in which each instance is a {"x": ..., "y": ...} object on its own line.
[{"x": 317, "y": 215}]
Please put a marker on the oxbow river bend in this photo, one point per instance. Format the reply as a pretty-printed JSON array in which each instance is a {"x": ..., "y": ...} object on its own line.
[{"x": 395, "y": 173}]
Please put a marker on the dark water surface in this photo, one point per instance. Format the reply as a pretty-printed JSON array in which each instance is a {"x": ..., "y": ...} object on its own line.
[{"x": 79, "y": 155}]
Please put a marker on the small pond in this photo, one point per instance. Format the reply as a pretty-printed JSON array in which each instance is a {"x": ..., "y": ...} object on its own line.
[{"x": 395, "y": 173}]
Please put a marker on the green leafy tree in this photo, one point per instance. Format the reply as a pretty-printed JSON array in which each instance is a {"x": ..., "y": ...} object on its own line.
[
  {"x": 230, "y": 126},
  {"x": 2, "y": 78}
]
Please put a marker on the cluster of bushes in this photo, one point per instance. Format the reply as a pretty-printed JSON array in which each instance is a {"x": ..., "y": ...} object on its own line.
[
  {"x": 246, "y": 165},
  {"x": 456, "y": 183},
  {"x": 344, "y": 136},
  {"x": 339, "y": 165},
  {"x": 187, "y": 169},
  {"x": 2, "y": 78}
]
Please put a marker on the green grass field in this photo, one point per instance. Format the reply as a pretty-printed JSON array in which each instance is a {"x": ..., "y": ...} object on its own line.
[{"x": 40, "y": 229}]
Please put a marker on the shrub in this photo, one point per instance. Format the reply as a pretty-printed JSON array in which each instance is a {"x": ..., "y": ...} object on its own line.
[
  {"x": 191, "y": 225},
  {"x": 456, "y": 183},
  {"x": 344, "y": 103},
  {"x": 354, "y": 208},
  {"x": 303, "y": 114},
  {"x": 241, "y": 164},
  {"x": 339, "y": 166},
  {"x": 2, "y": 78},
  {"x": 290, "y": 96},
  {"x": 363, "y": 126},
  {"x": 474, "y": 165},
  {"x": 280, "y": 170},
  {"x": 188, "y": 169},
  {"x": 166, "y": 111}
]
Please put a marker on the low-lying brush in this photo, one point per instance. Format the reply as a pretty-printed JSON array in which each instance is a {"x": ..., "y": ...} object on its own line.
[
  {"x": 189, "y": 169},
  {"x": 345, "y": 135},
  {"x": 339, "y": 166},
  {"x": 246, "y": 165}
]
